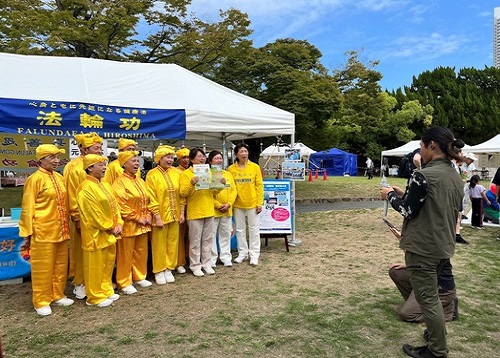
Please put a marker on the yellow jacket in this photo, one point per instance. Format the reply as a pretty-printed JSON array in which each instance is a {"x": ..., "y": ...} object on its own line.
[
  {"x": 226, "y": 196},
  {"x": 99, "y": 214},
  {"x": 163, "y": 190},
  {"x": 113, "y": 171},
  {"x": 248, "y": 184},
  {"x": 74, "y": 175},
  {"x": 133, "y": 199},
  {"x": 200, "y": 203},
  {"x": 44, "y": 214}
]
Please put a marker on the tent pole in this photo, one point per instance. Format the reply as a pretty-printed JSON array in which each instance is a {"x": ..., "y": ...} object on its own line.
[
  {"x": 224, "y": 150},
  {"x": 294, "y": 241}
]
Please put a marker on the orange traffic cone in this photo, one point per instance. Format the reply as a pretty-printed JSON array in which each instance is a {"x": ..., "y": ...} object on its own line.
[
  {"x": 324, "y": 175},
  {"x": 310, "y": 176},
  {"x": 316, "y": 175}
]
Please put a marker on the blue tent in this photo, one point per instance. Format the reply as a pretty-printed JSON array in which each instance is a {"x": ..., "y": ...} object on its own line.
[{"x": 335, "y": 161}]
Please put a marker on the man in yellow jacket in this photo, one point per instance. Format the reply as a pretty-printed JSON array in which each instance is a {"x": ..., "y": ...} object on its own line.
[
  {"x": 44, "y": 224},
  {"x": 101, "y": 226},
  {"x": 74, "y": 175}
]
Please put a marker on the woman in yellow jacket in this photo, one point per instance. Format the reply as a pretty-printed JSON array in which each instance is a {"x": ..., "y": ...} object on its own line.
[
  {"x": 223, "y": 206},
  {"x": 101, "y": 226},
  {"x": 44, "y": 224},
  {"x": 167, "y": 208},
  {"x": 248, "y": 204},
  {"x": 132, "y": 249},
  {"x": 200, "y": 217}
]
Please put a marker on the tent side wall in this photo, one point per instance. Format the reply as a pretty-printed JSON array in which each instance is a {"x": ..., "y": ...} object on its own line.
[{"x": 336, "y": 164}]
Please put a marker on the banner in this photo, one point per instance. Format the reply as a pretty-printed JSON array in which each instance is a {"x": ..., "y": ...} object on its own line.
[
  {"x": 276, "y": 215},
  {"x": 65, "y": 119},
  {"x": 17, "y": 152},
  {"x": 14, "y": 262}
]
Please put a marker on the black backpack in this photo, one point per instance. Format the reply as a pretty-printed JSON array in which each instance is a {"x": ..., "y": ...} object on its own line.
[{"x": 406, "y": 166}]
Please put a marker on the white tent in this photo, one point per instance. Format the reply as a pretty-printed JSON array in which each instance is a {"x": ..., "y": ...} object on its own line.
[
  {"x": 211, "y": 110},
  {"x": 491, "y": 146},
  {"x": 402, "y": 150},
  {"x": 410, "y": 147},
  {"x": 272, "y": 157}
]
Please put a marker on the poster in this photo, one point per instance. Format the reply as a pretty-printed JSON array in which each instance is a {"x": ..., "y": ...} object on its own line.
[
  {"x": 14, "y": 262},
  {"x": 292, "y": 154},
  {"x": 216, "y": 177},
  {"x": 276, "y": 215},
  {"x": 202, "y": 171},
  {"x": 17, "y": 151},
  {"x": 293, "y": 170}
]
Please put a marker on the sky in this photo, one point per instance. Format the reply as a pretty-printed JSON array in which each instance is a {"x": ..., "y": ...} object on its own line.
[{"x": 407, "y": 37}]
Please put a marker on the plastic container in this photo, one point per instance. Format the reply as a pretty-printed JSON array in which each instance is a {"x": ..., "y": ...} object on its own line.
[{"x": 15, "y": 213}]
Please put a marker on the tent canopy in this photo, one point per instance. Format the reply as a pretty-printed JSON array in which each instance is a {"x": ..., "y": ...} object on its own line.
[
  {"x": 410, "y": 147},
  {"x": 335, "y": 161},
  {"x": 491, "y": 146},
  {"x": 402, "y": 150},
  {"x": 210, "y": 111}
]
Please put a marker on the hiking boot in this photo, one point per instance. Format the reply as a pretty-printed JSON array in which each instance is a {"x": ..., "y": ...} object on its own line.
[
  {"x": 418, "y": 352},
  {"x": 455, "y": 309},
  {"x": 460, "y": 240},
  {"x": 426, "y": 335}
]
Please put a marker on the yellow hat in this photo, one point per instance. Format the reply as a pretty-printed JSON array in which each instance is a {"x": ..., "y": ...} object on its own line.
[
  {"x": 89, "y": 139},
  {"x": 44, "y": 150},
  {"x": 124, "y": 143},
  {"x": 123, "y": 157},
  {"x": 91, "y": 159},
  {"x": 79, "y": 139},
  {"x": 162, "y": 151},
  {"x": 181, "y": 153}
]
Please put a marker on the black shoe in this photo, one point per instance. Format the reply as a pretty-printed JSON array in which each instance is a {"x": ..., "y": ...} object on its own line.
[
  {"x": 418, "y": 352},
  {"x": 460, "y": 240},
  {"x": 426, "y": 335},
  {"x": 455, "y": 309}
]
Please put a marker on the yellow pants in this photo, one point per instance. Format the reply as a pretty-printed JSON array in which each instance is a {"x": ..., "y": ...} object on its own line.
[
  {"x": 165, "y": 247},
  {"x": 76, "y": 255},
  {"x": 181, "y": 258},
  {"x": 49, "y": 271},
  {"x": 131, "y": 259},
  {"x": 97, "y": 269}
]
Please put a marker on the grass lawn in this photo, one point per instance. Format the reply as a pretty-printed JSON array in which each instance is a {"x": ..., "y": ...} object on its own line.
[{"x": 330, "y": 297}]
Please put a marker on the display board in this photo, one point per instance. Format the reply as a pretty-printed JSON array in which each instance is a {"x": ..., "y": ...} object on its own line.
[{"x": 276, "y": 215}]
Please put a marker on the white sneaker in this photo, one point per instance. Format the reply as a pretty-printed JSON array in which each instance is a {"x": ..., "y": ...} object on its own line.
[
  {"x": 114, "y": 297},
  {"x": 181, "y": 269},
  {"x": 79, "y": 292},
  {"x": 240, "y": 259},
  {"x": 107, "y": 302},
  {"x": 65, "y": 301},
  {"x": 169, "y": 277},
  {"x": 228, "y": 263},
  {"x": 44, "y": 311},
  {"x": 209, "y": 270},
  {"x": 160, "y": 278},
  {"x": 254, "y": 262},
  {"x": 198, "y": 273},
  {"x": 143, "y": 283},
  {"x": 129, "y": 290}
]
